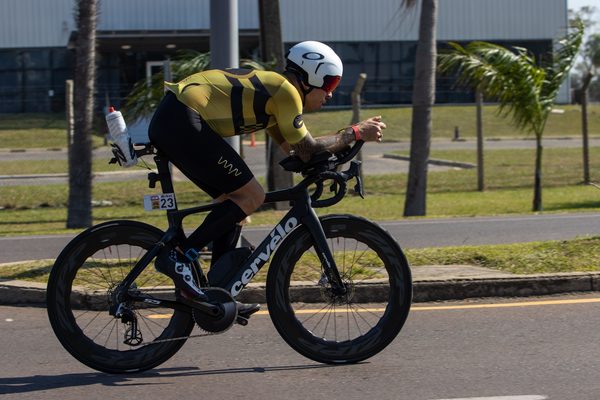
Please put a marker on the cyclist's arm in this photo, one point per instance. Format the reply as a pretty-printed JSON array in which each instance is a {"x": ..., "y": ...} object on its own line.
[
  {"x": 308, "y": 146},
  {"x": 368, "y": 130},
  {"x": 286, "y": 107}
]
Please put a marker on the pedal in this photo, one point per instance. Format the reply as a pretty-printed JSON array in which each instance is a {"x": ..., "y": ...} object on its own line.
[{"x": 241, "y": 320}]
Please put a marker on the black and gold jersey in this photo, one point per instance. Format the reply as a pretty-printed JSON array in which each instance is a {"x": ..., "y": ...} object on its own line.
[{"x": 238, "y": 101}]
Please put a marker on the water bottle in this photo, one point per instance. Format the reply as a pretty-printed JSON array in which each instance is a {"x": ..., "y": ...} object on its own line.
[{"x": 119, "y": 135}]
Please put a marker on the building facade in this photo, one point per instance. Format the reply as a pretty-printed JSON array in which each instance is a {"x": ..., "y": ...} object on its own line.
[{"x": 377, "y": 37}]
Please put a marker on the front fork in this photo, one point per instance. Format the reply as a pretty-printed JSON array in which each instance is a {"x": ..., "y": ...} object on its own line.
[{"x": 312, "y": 222}]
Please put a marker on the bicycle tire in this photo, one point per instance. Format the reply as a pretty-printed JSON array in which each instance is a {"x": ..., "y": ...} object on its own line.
[
  {"x": 78, "y": 298},
  {"x": 375, "y": 272}
]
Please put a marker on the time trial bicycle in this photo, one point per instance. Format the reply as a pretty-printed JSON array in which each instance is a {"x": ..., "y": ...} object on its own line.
[{"x": 338, "y": 287}]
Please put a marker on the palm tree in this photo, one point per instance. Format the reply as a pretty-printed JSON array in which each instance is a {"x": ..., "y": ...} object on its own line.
[
  {"x": 591, "y": 63},
  {"x": 79, "y": 213},
  {"x": 423, "y": 98},
  {"x": 524, "y": 90}
]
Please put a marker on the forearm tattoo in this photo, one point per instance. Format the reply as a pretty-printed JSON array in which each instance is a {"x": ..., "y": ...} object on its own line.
[{"x": 309, "y": 145}]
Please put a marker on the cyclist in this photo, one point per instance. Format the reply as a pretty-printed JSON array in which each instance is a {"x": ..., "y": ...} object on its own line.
[{"x": 198, "y": 112}]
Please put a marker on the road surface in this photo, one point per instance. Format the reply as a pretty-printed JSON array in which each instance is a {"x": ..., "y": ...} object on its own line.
[{"x": 537, "y": 349}]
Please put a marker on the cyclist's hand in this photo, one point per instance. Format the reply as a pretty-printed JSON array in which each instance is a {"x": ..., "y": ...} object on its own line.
[{"x": 371, "y": 129}]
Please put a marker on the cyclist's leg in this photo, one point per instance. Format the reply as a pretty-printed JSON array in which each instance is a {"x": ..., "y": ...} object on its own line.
[
  {"x": 225, "y": 243},
  {"x": 222, "y": 220},
  {"x": 207, "y": 160}
]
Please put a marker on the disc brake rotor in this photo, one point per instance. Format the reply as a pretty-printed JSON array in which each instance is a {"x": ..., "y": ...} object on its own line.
[{"x": 226, "y": 317}]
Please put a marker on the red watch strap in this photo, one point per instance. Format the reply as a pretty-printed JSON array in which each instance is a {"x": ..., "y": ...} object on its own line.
[{"x": 356, "y": 132}]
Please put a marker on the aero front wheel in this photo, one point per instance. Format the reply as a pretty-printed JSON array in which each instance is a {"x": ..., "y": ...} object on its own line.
[
  {"x": 79, "y": 296},
  {"x": 332, "y": 328}
]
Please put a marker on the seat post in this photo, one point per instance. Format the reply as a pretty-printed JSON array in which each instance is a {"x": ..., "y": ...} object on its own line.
[
  {"x": 166, "y": 183},
  {"x": 164, "y": 173}
]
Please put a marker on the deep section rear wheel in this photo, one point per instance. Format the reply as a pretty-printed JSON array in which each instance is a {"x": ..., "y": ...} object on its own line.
[
  {"x": 79, "y": 296},
  {"x": 329, "y": 327}
]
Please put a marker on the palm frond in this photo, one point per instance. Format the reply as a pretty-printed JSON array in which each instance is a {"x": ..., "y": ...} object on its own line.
[
  {"x": 189, "y": 62},
  {"x": 510, "y": 77},
  {"x": 563, "y": 58},
  {"x": 146, "y": 94}
]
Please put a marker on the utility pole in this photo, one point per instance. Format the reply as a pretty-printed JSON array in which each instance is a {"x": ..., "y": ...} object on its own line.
[
  {"x": 224, "y": 46},
  {"x": 271, "y": 46}
]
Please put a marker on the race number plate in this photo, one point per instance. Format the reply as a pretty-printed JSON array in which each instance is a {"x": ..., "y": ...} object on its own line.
[{"x": 165, "y": 201}]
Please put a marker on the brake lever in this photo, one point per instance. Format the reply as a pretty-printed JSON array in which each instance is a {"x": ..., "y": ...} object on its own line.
[
  {"x": 354, "y": 171},
  {"x": 358, "y": 188}
]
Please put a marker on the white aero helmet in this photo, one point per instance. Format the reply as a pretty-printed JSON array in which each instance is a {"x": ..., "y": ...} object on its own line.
[{"x": 316, "y": 64}]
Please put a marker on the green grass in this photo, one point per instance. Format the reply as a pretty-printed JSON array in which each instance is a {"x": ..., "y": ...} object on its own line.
[
  {"x": 47, "y": 220},
  {"x": 577, "y": 255},
  {"x": 513, "y": 168},
  {"x": 447, "y": 117},
  {"x": 509, "y": 177},
  {"x": 25, "y": 131},
  {"x": 26, "y": 167},
  {"x": 94, "y": 272},
  {"x": 22, "y": 131}
]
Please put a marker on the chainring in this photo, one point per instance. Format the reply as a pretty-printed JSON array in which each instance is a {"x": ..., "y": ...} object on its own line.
[{"x": 226, "y": 317}]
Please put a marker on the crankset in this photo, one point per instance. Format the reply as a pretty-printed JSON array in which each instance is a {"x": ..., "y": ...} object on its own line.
[{"x": 224, "y": 318}]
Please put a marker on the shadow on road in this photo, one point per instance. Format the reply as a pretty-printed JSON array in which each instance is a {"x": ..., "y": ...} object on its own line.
[{"x": 48, "y": 382}]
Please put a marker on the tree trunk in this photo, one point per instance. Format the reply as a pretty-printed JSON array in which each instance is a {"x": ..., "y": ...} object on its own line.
[
  {"x": 584, "y": 127},
  {"x": 356, "y": 105},
  {"x": 480, "y": 169},
  {"x": 423, "y": 100},
  {"x": 537, "y": 187},
  {"x": 80, "y": 152},
  {"x": 271, "y": 45}
]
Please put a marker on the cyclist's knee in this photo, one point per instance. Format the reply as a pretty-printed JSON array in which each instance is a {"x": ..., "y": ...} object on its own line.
[{"x": 249, "y": 197}]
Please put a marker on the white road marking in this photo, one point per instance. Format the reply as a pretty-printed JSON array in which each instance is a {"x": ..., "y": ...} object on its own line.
[{"x": 9, "y": 320}]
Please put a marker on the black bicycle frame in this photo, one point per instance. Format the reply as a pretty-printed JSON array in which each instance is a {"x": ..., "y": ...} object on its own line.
[{"x": 301, "y": 213}]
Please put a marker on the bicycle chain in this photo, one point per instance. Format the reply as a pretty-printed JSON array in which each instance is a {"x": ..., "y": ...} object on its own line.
[
  {"x": 179, "y": 338},
  {"x": 204, "y": 334}
]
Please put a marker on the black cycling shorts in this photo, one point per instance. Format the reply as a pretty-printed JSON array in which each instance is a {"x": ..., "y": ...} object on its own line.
[{"x": 200, "y": 153}]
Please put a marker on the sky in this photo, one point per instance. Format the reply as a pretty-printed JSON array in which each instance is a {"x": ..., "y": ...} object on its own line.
[{"x": 577, "y": 4}]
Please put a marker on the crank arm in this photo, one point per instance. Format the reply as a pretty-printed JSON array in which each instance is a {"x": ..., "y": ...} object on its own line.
[{"x": 208, "y": 308}]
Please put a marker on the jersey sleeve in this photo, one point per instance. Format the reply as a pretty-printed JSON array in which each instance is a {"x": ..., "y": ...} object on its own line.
[{"x": 286, "y": 107}]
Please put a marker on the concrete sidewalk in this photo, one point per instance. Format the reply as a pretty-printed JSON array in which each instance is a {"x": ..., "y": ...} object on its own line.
[{"x": 430, "y": 283}]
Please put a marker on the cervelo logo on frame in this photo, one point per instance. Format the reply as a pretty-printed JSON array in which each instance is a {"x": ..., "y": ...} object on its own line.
[
  {"x": 227, "y": 165},
  {"x": 277, "y": 235}
]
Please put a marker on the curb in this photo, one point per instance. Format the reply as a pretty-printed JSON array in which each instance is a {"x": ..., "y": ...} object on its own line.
[
  {"x": 443, "y": 163},
  {"x": 28, "y": 293},
  {"x": 66, "y": 175}
]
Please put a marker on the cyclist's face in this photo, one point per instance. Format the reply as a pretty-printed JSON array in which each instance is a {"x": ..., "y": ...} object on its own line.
[{"x": 315, "y": 99}]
